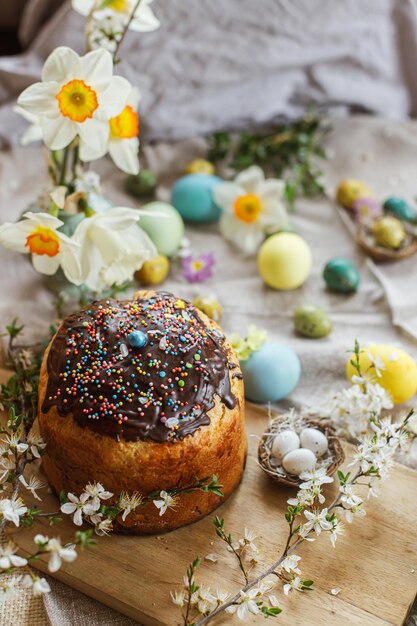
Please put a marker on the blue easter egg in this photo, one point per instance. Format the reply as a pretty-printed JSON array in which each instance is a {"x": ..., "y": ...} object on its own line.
[
  {"x": 400, "y": 208},
  {"x": 137, "y": 339},
  {"x": 271, "y": 373},
  {"x": 192, "y": 197}
]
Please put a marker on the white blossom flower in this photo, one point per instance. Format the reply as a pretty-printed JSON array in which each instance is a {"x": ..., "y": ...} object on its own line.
[
  {"x": 354, "y": 511},
  {"x": 377, "y": 363},
  {"x": 25, "y": 358},
  {"x": 178, "y": 597},
  {"x": 412, "y": 424},
  {"x": 103, "y": 525},
  {"x": 112, "y": 247},
  {"x": 87, "y": 181},
  {"x": 129, "y": 502},
  {"x": 349, "y": 499},
  {"x": 294, "y": 584},
  {"x": 247, "y": 604},
  {"x": 273, "y": 600},
  {"x": 337, "y": 529},
  {"x": 205, "y": 600},
  {"x": 39, "y": 586},
  {"x": 317, "y": 521},
  {"x": 77, "y": 97},
  {"x": 13, "y": 442},
  {"x": 289, "y": 564},
  {"x": 97, "y": 492},
  {"x": 9, "y": 558},
  {"x": 7, "y": 465},
  {"x": 315, "y": 477},
  {"x": 304, "y": 498},
  {"x": 165, "y": 502},
  {"x": 12, "y": 509},
  {"x": 8, "y": 588},
  {"x": 36, "y": 443},
  {"x": 33, "y": 485},
  {"x": 104, "y": 30},
  {"x": 56, "y": 550},
  {"x": 252, "y": 208},
  {"x": 144, "y": 19},
  {"x": 37, "y": 234},
  {"x": 123, "y": 143},
  {"x": 221, "y": 596},
  {"x": 79, "y": 507}
]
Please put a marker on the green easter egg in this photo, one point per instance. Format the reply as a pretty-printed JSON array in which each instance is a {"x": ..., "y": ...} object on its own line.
[
  {"x": 311, "y": 321},
  {"x": 164, "y": 225},
  {"x": 142, "y": 185},
  {"x": 341, "y": 275},
  {"x": 400, "y": 208}
]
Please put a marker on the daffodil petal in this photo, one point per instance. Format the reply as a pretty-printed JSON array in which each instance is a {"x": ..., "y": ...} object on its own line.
[
  {"x": 144, "y": 20},
  {"x": 95, "y": 132},
  {"x": 58, "y": 132},
  {"x": 45, "y": 264},
  {"x": 83, "y": 6},
  {"x": 124, "y": 153},
  {"x": 246, "y": 237},
  {"x": 114, "y": 98},
  {"x": 31, "y": 134},
  {"x": 39, "y": 99},
  {"x": 42, "y": 219},
  {"x": 71, "y": 265},
  {"x": 271, "y": 188},
  {"x": 62, "y": 65},
  {"x": 250, "y": 179},
  {"x": 97, "y": 68},
  {"x": 226, "y": 194},
  {"x": 88, "y": 153},
  {"x": 13, "y": 236}
]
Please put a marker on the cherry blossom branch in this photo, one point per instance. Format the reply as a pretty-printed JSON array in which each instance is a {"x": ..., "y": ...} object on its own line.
[{"x": 126, "y": 28}]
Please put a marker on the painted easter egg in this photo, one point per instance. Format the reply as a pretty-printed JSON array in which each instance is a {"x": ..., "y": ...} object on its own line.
[
  {"x": 299, "y": 461},
  {"x": 286, "y": 441},
  {"x": 199, "y": 166},
  {"x": 311, "y": 321},
  {"x": 192, "y": 197},
  {"x": 154, "y": 271},
  {"x": 270, "y": 373},
  {"x": 313, "y": 439},
  {"x": 341, "y": 275},
  {"x": 389, "y": 232},
  {"x": 210, "y": 306},
  {"x": 284, "y": 261},
  {"x": 400, "y": 208},
  {"x": 142, "y": 185},
  {"x": 164, "y": 226},
  {"x": 351, "y": 190},
  {"x": 397, "y": 370}
]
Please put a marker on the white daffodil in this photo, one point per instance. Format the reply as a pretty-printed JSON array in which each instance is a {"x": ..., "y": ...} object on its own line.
[
  {"x": 112, "y": 247},
  {"x": 79, "y": 507},
  {"x": 166, "y": 502},
  {"x": 12, "y": 509},
  {"x": 123, "y": 143},
  {"x": 9, "y": 558},
  {"x": 39, "y": 586},
  {"x": 34, "y": 132},
  {"x": 252, "y": 208},
  {"x": 37, "y": 234},
  {"x": 56, "y": 550},
  {"x": 144, "y": 19},
  {"x": 77, "y": 97}
]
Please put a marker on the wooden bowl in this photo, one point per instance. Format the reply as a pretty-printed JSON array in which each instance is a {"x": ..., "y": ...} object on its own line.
[
  {"x": 333, "y": 458},
  {"x": 366, "y": 241}
]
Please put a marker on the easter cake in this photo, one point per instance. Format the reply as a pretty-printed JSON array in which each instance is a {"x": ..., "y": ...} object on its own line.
[{"x": 143, "y": 396}]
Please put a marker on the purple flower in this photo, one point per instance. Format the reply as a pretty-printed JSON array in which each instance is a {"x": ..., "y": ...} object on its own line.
[
  {"x": 365, "y": 208},
  {"x": 196, "y": 269}
]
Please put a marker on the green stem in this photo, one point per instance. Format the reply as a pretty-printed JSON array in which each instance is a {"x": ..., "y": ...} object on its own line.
[
  {"x": 64, "y": 164},
  {"x": 126, "y": 28},
  {"x": 75, "y": 161}
]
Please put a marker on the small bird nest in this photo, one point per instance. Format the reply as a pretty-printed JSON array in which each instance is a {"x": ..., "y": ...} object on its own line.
[
  {"x": 331, "y": 460},
  {"x": 366, "y": 241}
]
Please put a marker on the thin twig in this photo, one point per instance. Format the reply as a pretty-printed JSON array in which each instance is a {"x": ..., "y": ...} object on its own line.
[{"x": 119, "y": 43}]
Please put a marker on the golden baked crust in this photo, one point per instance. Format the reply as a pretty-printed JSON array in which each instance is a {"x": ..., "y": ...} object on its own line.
[{"x": 76, "y": 455}]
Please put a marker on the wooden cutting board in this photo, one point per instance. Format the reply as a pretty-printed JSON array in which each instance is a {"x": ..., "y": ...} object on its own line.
[{"x": 374, "y": 562}]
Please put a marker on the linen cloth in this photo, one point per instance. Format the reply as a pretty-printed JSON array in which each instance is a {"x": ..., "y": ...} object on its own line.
[{"x": 379, "y": 151}]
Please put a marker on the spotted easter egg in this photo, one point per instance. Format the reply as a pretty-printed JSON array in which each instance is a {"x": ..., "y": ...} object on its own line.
[
  {"x": 271, "y": 373},
  {"x": 298, "y": 461},
  {"x": 389, "y": 232},
  {"x": 311, "y": 321},
  {"x": 391, "y": 367},
  {"x": 400, "y": 208},
  {"x": 154, "y": 271},
  {"x": 284, "y": 442},
  {"x": 164, "y": 225},
  {"x": 341, "y": 275},
  {"x": 284, "y": 261},
  {"x": 315, "y": 440},
  {"x": 193, "y": 198},
  {"x": 351, "y": 190},
  {"x": 199, "y": 166}
]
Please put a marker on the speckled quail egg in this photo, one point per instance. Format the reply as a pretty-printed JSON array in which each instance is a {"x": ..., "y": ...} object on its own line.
[
  {"x": 284, "y": 442},
  {"x": 314, "y": 440},
  {"x": 298, "y": 461}
]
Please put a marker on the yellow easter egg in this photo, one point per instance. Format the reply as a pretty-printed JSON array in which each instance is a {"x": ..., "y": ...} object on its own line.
[
  {"x": 154, "y": 271},
  {"x": 199, "y": 166},
  {"x": 351, "y": 190},
  {"x": 398, "y": 371},
  {"x": 284, "y": 261}
]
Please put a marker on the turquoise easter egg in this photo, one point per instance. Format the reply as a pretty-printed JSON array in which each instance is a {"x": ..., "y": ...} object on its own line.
[
  {"x": 164, "y": 225},
  {"x": 400, "y": 208},
  {"x": 270, "y": 373},
  {"x": 341, "y": 275},
  {"x": 192, "y": 197}
]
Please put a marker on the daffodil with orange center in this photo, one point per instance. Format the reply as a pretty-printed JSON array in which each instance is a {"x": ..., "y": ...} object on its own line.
[
  {"x": 37, "y": 234},
  {"x": 143, "y": 20},
  {"x": 77, "y": 97},
  {"x": 252, "y": 208}
]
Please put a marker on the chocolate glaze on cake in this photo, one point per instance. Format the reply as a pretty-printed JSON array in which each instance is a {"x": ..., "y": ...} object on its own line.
[{"x": 161, "y": 391}]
